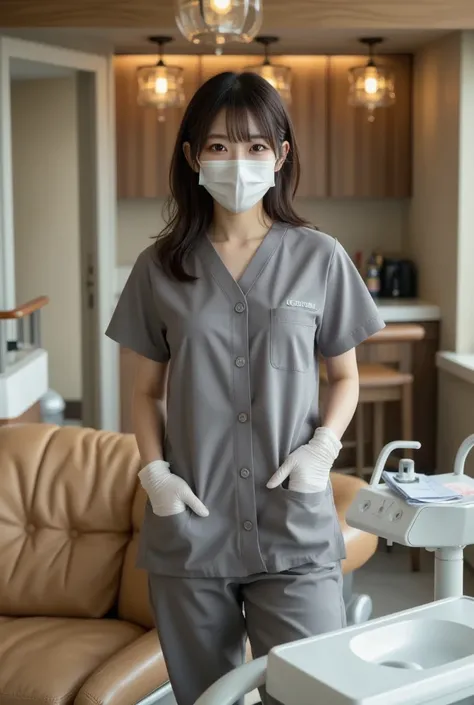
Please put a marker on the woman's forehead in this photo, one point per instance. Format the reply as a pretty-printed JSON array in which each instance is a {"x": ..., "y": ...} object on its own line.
[{"x": 219, "y": 125}]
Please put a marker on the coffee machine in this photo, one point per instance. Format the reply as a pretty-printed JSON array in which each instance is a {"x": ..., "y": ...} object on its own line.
[{"x": 398, "y": 279}]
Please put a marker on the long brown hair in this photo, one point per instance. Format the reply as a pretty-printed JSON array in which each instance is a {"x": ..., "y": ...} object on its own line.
[{"x": 189, "y": 210}]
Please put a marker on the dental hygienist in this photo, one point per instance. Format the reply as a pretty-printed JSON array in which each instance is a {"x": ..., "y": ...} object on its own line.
[{"x": 229, "y": 311}]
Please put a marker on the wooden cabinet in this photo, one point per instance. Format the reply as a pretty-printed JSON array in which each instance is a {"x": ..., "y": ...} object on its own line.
[
  {"x": 309, "y": 115},
  {"x": 144, "y": 145},
  {"x": 342, "y": 154},
  {"x": 369, "y": 159}
]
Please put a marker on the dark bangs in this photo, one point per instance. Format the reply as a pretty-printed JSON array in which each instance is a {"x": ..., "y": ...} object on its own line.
[
  {"x": 190, "y": 208},
  {"x": 239, "y": 99}
]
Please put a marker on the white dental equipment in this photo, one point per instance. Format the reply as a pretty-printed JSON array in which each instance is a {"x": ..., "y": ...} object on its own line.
[
  {"x": 424, "y": 655},
  {"x": 444, "y": 528}
]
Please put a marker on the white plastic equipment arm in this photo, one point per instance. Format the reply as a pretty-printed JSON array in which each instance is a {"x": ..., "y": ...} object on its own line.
[
  {"x": 383, "y": 457},
  {"x": 462, "y": 454},
  {"x": 235, "y": 684}
]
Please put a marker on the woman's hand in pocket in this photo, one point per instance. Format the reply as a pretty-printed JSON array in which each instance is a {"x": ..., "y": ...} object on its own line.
[
  {"x": 168, "y": 494},
  {"x": 308, "y": 467}
]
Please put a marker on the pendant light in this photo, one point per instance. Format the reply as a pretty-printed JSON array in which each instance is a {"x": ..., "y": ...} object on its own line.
[
  {"x": 217, "y": 22},
  {"x": 371, "y": 86},
  {"x": 160, "y": 86},
  {"x": 278, "y": 76}
]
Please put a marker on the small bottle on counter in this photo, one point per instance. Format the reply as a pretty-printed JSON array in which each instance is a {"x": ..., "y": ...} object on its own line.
[{"x": 372, "y": 278}]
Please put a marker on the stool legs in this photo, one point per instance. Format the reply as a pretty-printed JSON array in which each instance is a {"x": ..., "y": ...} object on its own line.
[
  {"x": 360, "y": 440},
  {"x": 379, "y": 426}
]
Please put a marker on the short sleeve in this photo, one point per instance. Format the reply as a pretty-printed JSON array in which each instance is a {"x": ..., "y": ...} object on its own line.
[
  {"x": 136, "y": 323},
  {"x": 350, "y": 315}
]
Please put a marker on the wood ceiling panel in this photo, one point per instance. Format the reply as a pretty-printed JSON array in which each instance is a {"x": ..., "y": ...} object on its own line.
[{"x": 290, "y": 14}]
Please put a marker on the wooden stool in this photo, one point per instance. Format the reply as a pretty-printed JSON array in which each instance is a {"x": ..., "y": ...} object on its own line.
[
  {"x": 381, "y": 383},
  {"x": 378, "y": 384}
]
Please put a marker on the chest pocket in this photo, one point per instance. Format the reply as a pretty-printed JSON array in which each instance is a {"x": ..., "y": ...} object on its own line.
[{"x": 292, "y": 335}]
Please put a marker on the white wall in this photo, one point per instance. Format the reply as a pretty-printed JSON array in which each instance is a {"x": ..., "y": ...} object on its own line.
[
  {"x": 359, "y": 224},
  {"x": 432, "y": 238},
  {"x": 465, "y": 310},
  {"x": 441, "y": 232},
  {"x": 45, "y": 173}
]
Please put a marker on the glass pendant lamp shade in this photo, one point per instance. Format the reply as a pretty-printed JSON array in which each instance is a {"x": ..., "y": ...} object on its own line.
[
  {"x": 371, "y": 86},
  {"x": 217, "y": 22},
  {"x": 160, "y": 86},
  {"x": 278, "y": 76}
]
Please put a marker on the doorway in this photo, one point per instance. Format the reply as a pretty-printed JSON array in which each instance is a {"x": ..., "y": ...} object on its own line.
[{"x": 57, "y": 233}]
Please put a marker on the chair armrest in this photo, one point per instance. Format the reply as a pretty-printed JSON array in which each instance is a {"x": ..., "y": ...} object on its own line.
[{"x": 127, "y": 677}]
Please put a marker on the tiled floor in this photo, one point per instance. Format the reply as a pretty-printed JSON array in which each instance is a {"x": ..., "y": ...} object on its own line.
[{"x": 387, "y": 578}]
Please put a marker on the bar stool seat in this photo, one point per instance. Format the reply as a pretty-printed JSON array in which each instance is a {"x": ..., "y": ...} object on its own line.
[
  {"x": 378, "y": 384},
  {"x": 373, "y": 375}
]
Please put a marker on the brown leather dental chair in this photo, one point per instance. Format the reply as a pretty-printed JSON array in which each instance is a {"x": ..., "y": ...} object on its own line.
[{"x": 75, "y": 624}]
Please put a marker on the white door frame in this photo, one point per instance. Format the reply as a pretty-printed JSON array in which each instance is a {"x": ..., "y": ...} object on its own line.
[{"x": 101, "y": 66}]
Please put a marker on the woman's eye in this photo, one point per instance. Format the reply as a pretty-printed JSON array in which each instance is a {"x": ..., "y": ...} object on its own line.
[
  {"x": 259, "y": 148},
  {"x": 217, "y": 148}
]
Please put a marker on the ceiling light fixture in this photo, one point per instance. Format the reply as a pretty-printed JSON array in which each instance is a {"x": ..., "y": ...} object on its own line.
[
  {"x": 160, "y": 86},
  {"x": 217, "y": 22},
  {"x": 371, "y": 86},
  {"x": 278, "y": 76}
]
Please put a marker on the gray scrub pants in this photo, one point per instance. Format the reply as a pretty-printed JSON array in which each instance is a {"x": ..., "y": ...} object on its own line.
[{"x": 203, "y": 622}]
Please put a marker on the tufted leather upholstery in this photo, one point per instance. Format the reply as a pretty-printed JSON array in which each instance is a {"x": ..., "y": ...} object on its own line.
[{"x": 75, "y": 624}]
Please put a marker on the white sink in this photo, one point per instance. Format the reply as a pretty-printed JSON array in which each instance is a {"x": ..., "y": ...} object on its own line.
[
  {"x": 415, "y": 643},
  {"x": 421, "y": 656}
]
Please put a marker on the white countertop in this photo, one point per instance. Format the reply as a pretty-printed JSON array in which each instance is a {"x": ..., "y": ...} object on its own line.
[
  {"x": 392, "y": 310},
  {"x": 458, "y": 364},
  {"x": 407, "y": 310}
]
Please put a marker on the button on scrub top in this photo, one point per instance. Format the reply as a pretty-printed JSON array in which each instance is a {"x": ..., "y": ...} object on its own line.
[{"x": 243, "y": 394}]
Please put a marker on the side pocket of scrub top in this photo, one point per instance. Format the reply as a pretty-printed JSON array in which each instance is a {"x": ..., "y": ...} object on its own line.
[
  {"x": 166, "y": 537},
  {"x": 292, "y": 334},
  {"x": 310, "y": 498}
]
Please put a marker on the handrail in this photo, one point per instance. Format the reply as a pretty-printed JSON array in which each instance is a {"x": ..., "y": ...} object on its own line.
[{"x": 25, "y": 309}]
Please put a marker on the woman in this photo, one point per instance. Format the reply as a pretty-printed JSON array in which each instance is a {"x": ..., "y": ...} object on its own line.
[{"x": 228, "y": 312}]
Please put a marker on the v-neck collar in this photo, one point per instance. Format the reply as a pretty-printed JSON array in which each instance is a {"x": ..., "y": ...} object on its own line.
[{"x": 255, "y": 267}]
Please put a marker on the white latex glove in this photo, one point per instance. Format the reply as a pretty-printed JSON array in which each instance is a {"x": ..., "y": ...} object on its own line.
[
  {"x": 168, "y": 494},
  {"x": 308, "y": 467}
]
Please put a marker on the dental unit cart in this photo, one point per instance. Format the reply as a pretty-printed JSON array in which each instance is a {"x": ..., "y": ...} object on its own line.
[{"x": 421, "y": 656}]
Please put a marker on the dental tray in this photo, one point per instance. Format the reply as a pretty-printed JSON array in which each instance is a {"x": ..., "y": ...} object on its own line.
[{"x": 423, "y": 655}]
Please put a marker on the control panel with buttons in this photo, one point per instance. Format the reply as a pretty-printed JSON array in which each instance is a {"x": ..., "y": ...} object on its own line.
[{"x": 380, "y": 510}]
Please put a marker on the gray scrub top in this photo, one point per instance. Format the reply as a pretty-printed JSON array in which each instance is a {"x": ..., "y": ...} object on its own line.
[{"x": 243, "y": 394}]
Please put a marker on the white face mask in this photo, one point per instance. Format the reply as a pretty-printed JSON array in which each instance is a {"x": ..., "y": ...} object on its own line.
[{"x": 237, "y": 185}]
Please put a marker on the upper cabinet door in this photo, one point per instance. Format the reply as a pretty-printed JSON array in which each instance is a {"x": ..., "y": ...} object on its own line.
[
  {"x": 309, "y": 113},
  {"x": 366, "y": 159},
  {"x": 145, "y": 145}
]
